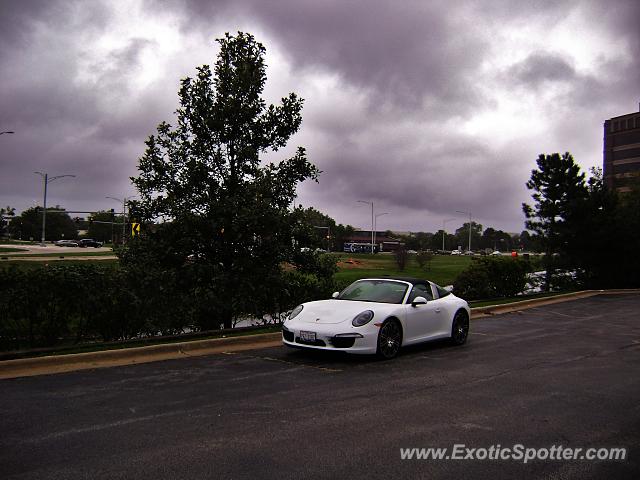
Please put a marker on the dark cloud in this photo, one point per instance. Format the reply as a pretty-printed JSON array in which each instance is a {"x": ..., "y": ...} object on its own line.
[
  {"x": 408, "y": 53},
  {"x": 390, "y": 88},
  {"x": 541, "y": 67}
]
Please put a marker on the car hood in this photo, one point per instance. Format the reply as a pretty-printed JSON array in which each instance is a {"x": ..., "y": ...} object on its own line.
[{"x": 338, "y": 311}]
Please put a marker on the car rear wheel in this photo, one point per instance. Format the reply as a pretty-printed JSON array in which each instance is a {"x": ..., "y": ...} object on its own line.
[
  {"x": 389, "y": 340},
  {"x": 460, "y": 328}
]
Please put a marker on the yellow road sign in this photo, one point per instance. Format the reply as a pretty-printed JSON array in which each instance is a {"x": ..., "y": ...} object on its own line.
[{"x": 135, "y": 229}]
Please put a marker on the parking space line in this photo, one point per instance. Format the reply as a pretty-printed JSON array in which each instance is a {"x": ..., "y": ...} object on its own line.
[{"x": 287, "y": 362}]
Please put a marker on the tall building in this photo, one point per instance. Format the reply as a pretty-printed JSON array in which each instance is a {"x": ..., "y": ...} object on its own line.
[{"x": 621, "y": 156}]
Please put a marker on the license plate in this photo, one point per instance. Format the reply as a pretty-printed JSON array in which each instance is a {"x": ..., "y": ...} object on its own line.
[{"x": 307, "y": 336}]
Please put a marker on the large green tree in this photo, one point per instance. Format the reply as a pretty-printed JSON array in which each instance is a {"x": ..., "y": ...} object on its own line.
[
  {"x": 602, "y": 239},
  {"x": 203, "y": 180},
  {"x": 558, "y": 189},
  {"x": 462, "y": 235},
  {"x": 28, "y": 225}
]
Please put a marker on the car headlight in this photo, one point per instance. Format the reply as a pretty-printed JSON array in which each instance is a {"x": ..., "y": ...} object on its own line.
[
  {"x": 295, "y": 312},
  {"x": 362, "y": 318}
]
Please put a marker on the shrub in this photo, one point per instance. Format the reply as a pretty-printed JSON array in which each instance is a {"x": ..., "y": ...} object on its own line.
[
  {"x": 79, "y": 303},
  {"x": 492, "y": 278},
  {"x": 400, "y": 256},
  {"x": 424, "y": 259}
]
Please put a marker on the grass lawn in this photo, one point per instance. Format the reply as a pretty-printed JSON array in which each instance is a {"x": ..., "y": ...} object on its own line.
[
  {"x": 53, "y": 253},
  {"x": 33, "y": 265},
  {"x": 9, "y": 249},
  {"x": 443, "y": 270}
]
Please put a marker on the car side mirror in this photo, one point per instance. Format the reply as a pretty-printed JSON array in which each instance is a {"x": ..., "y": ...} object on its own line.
[
  {"x": 418, "y": 301},
  {"x": 449, "y": 288},
  {"x": 335, "y": 294}
]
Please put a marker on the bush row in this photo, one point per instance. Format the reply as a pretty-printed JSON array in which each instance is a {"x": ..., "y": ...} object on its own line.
[
  {"x": 78, "y": 303},
  {"x": 492, "y": 278}
]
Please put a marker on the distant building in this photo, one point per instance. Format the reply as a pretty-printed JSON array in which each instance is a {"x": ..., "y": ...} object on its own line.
[
  {"x": 621, "y": 155},
  {"x": 360, "y": 241}
]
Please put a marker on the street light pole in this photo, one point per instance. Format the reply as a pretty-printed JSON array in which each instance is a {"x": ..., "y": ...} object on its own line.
[
  {"x": 124, "y": 204},
  {"x": 467, "y": 213},
  {"x": 46, "y": 180},
  {"x": 444, "y": 225},
  {"x": 375, "y": 225},
  {"x": 372, "y": 221}
]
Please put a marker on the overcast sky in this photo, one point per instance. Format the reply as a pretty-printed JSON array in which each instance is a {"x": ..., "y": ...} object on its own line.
[{"x": 422, "y": 107}]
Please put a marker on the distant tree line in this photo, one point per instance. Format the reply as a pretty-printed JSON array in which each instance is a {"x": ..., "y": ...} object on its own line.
[{"x": 102, "y": 225}]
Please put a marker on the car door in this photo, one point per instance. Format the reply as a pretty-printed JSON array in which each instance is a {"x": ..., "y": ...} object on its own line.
[{"x": 421, "y": 321}]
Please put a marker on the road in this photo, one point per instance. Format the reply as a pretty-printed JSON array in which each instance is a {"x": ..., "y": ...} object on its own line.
[
  {"x": 564, "y": 374},
  {"x": 35, "y": 253},
  {"x": 50, "y": 248}
]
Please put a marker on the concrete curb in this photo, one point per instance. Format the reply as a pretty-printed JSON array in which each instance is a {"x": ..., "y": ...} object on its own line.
[
  {"x": 481, "y": 312},
  {"x": 26, "y": 367}
]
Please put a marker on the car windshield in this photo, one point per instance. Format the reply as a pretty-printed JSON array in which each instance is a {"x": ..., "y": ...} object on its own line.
[{"x": 382, "y": 291}]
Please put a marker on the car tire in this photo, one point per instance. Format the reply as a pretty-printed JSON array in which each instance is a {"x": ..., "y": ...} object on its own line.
[
  {"x": 389, "y": 340},
  {"x": 460, "y": 328}
]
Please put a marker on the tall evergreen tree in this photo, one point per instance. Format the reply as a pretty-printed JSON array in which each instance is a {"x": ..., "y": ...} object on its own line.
[{"x": 558, "y": 187}]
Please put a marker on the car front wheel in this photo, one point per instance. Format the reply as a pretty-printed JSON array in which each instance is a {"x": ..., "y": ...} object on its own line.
[
  {"x": 460, "y": 328},
  {"x": 389, "y": 340}
]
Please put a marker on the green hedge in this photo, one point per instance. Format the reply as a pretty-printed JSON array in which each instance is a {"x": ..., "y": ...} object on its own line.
[
  {"x": 78, "y": 303},
  {"x": 492, "y": 278}
]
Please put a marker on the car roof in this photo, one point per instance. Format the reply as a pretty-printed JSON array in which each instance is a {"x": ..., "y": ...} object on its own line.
[{"x": 411, "y": 280}]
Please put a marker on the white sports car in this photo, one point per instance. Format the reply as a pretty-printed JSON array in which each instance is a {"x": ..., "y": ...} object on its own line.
[{"x": 379, "y": 315}]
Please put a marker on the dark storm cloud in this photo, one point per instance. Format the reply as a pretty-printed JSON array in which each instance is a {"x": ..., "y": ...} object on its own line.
[
  {"x": 65, "y": 124},
  {"x": 406, "y": 77},
  {"x": 408, "y": 53},
  {"x": 541, "y": 67}
]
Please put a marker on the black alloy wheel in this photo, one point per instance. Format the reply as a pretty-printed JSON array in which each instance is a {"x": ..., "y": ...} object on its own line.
[
  {"x": 389, "y": 340},
  {"x": 460, "y": 328}
]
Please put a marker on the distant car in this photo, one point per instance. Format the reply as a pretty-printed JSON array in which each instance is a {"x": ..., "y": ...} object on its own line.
[
  {"x": 378, "y": 316},
  {"x": 412, "y": 252},
  {"x": 496, "y": 253},
  {"x": 88, "y": 242},
  {"x": 67, "y": 243},
  {"x": 456, "y": 252},
  {"x": 469, "y": 252}
]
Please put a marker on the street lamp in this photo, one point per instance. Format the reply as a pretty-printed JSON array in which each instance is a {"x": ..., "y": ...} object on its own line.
[
  {"x": 124, "y": 204},
  {"x": 375, "y": 225},
  {"x": 444, "y": 224},
  {"x": 372, "y": 221},
  {"x": 467, "y": 213},
  {"x": 46, "y": 180}
]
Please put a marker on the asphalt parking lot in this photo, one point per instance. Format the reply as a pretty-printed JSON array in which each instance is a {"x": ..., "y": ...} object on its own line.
[{"x": 564, "y": 374}]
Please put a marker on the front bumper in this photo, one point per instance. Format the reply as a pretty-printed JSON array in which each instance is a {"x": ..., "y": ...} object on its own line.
[{"x": 350, "y": 342}]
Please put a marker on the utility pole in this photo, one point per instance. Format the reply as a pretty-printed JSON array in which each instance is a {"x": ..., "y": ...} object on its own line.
[
  {"x": 372, "y": 222},
  {"x": 46, "y": 180},
  {"x": 375, "y": 225},
  {"x": 124, "y": 206}
]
